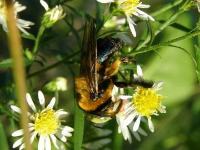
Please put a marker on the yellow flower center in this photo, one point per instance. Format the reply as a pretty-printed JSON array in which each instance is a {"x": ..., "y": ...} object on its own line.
[
  {"x": 146, "y": 101},
  {"x": 128, "y": 6},
  {"x": 46, "y": 122}
]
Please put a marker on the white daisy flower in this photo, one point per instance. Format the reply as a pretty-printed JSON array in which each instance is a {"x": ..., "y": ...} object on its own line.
[
  {"x": 131, "y": 8},
  {"x": 145, "y": 103},
  {"x": 125, "y": 123},
  {"x": 52, "y": 15},
  {"x": 21, "y": 24},
  {"x": 45, "y": 123}
]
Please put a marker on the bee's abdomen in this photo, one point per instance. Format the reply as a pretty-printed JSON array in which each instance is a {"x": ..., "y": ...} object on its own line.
[{"x": 84, "y": 95}]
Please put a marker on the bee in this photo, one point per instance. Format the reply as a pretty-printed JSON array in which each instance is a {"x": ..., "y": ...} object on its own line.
[{"x": 94, "y": 85}]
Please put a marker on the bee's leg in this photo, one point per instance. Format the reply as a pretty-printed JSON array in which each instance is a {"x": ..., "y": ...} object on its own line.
[
  {"x": 112, "y": 69},
  {"x": 111, "y": 109},
  {"x": 122, "y": 84}
]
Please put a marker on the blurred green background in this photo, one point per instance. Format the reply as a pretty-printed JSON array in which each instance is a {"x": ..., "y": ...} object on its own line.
[{"x": 178, "y": 129}]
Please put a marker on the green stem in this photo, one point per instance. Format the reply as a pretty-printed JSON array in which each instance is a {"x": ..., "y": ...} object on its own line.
[
  {"x": 3, "y": 137},
  {"x": 147, "y": 39},
  {"x": 57, "y": 98},
  {"x": 164, "y": 25},
  {"x": 169, "y": 21},
  {"x": 78, "y": 128},
  {"x": 184, "y": 7},
  {"x": 197, "y": 54},
  {"x": 74, "y": 31},
  {"x": 53, "y": 65},
  {"x": 79, "y": 122},
  {"x": 38, "y": 38},
  {"x": 166, "y": 8},
  {"x": 154, "y": 47},
  {"x": 117, "y": 140}
]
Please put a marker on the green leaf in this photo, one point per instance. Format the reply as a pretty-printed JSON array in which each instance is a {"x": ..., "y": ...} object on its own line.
[
  {"x": 30, "y": 36},
  {"x": 8, "y": 63},
  {"x": 3, "y": 139}
]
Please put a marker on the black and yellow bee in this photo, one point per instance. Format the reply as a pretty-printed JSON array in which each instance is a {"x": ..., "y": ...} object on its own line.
[{"x": 94, "y": 85}]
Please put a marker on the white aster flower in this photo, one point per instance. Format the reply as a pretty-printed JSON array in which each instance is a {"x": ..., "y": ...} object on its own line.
[
  {"x": 52, "y": 15},
  {"x": 45, "y": 123},
  {"x": 21, "y": 24},
  {"x": 145, "y": 103},
  {"x": 125, "y": 123},
  {"x": 58, "y": 84},
  {"x": 131, "y": 8}
]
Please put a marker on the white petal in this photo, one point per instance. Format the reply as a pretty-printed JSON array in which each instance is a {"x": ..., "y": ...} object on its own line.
[
  {"x": 151, "y": 126},
  {"x": 33, "y": 135},
  {"x": 143, "y": 5},
  {"x": 15, "y": 108},
  {"x": 18, "y": 133},
  {"x": 61, "y": 137},
  {"x": 64, "y": 139},
  {"x": 137, "y": 124},
  {"x": 119, "y": 129},
  {"x": 105, "y": 1},
  {"x": 41, "y": 98},
  {"x": 131, "y": 26},
  {"x": 137, "y": 136},
  {"x": 66, "y": 131},
  {"x": 139, "y": 71},
  {"x": 135, "y": 76},
  {"x": 61, "y": 113},
  {"x": 128, "y": 120},
  {"x": 126, "y": 133},
  {"x": 31, "y": 128},
  {"x": 143, "y": 15},
  {"x": 47, "y": 143},
  {"x": 22, "y": 147},
  {"x": 162, "y": 109},
  {"x": 44, "y": 4},
  {"x": 52, "y": 103},
  {"x": 41, "y": 143},
  {"x": 141, "y": 131},
  {"x": 54, "y": 140},
  {"x": 31, "y": 125},
  {"x": 30, "y": 102},
  {"x": 125, "y": 97},
  {"x": 115, "y": 91},
  {"x": 18, "y": 143},
  {"x": 158, "y": 86}
]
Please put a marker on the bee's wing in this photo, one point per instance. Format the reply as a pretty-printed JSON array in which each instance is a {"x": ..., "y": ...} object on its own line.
[{"x": 89, "y": 56}]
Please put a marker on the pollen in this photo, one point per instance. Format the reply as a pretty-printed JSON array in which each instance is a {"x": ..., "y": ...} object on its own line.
[
  {"x": 128, "y": 6},
  {"x": 46, "y": 122},
  {"x": 146, "y": 101}
]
